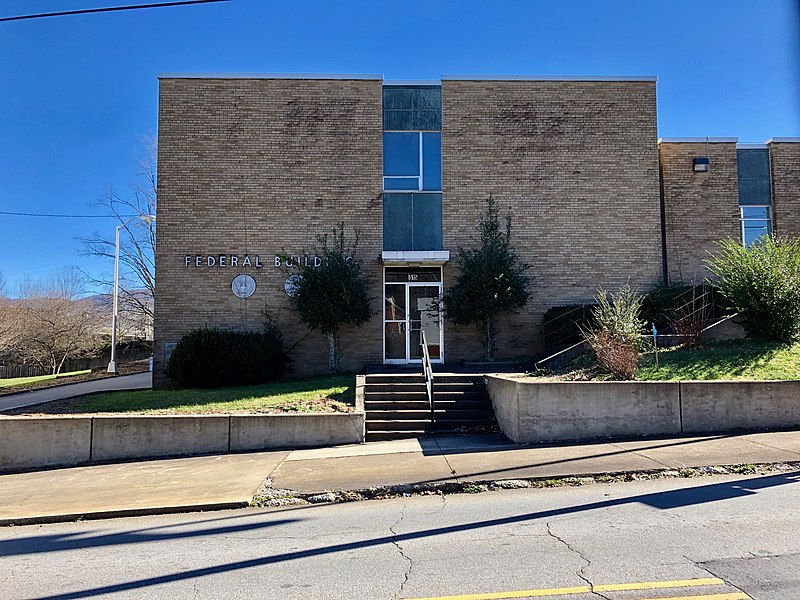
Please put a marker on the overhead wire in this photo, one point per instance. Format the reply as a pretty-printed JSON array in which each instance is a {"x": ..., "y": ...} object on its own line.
[{"x": 84, "y": 11}]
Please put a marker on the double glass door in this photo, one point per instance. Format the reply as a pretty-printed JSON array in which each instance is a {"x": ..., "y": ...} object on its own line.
[{"x": 411, "y": 306}]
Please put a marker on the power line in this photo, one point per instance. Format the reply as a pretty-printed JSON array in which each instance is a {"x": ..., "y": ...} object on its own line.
[
  {"x": 107, "y": 9},
  {"x": 53, "y": 216}
]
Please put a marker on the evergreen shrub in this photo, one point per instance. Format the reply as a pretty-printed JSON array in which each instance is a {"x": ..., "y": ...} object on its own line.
[{"x": 212, "y": 358}]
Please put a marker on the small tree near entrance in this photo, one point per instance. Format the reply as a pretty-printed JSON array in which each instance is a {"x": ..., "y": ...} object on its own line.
[
  {"x": 335, "y": 293},
  {"x": 491, "y": 279}
]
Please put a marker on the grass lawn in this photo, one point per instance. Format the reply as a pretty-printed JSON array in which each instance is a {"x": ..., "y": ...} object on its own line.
[
  {"x": 734, "y": 359},
  {"x": 317, "y": 394},
  {"x": 28, "y": 380}
]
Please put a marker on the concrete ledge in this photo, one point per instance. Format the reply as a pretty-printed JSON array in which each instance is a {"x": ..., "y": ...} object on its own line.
[
  {"x": 36, "y": 442},
  {"x": 729, "y": 405},
  {"x": 530, "y": 411},
  {"x": 261, "y": 432},
  {"x": 146, "y": 436},
  {"x": 536, "y": 411},
  {"x": 44, "y": 442}
]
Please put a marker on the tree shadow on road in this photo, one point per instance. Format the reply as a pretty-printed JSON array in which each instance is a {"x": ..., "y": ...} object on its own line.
[{"x": 661, "y": 500}]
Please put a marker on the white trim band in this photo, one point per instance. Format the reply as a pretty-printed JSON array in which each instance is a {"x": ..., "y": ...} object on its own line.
[
  {"x": 549, "y": 78},
  {"x": 751, "y": 146},
  {"x": 428, "y": 257},
  {"x": 784, "y": 140},
  {"x": 699, "y": 140},
  {"x": 422, "y": 82},
  {"x": 370, "y": 77}
]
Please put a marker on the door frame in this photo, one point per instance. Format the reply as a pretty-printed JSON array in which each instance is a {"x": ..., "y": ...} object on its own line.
[{"x": 407, "y": 285}]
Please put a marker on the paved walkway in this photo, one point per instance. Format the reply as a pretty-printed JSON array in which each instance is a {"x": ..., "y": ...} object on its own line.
[
  {"x": 209, "y": 482},
  {"x": 138, "y": 381}
]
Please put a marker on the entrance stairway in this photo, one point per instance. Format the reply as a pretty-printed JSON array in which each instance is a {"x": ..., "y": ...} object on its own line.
[{"x": 397, "y": 405}]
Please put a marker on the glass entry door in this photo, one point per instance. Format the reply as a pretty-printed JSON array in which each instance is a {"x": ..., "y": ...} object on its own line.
[{"x": 411, "y": 306}]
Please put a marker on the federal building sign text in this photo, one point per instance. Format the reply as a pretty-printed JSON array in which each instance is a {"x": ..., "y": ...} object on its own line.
[{"x": 246, "y": 260}]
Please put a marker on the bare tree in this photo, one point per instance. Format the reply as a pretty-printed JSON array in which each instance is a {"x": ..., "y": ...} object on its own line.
[
  {"x": 137, "y": 241},
  {"x": 10, "y": 321},
  {"x": 55, "y": 322}
]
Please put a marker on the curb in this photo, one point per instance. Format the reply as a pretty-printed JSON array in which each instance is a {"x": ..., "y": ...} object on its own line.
[
  {"x": 268, "y": 497},
  {"x": 126, "y": 512}
]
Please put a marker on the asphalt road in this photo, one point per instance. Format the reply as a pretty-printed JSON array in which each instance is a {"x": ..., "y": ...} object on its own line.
[{"x": 622, "y": 540}]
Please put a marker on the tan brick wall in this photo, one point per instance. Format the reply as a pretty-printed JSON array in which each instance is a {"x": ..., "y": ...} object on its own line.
[
  {"x": 577, "y": 165},
  {"x": 700, "y": 208},
  {"x": 262, "y": 166},
  {"x": 785, "y": 165}
]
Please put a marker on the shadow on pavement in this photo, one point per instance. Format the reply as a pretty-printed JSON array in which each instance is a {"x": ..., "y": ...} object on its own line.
[{"x": 661, "y": 500}]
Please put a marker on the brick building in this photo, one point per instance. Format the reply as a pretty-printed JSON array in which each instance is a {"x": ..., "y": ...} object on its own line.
[{"x": 255, "y": 167}]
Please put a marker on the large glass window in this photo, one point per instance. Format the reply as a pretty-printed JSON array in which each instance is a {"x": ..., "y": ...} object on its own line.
[
  {"x": 412, "y": 160},
  {"x": 412, "y": 221},
  {"x": 756, "y": 223}
]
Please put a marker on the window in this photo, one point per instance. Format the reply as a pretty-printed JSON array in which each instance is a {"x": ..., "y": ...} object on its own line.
[
  {"x": 412, "y": 161},
  {"x": 755, "y": 223},
  {"x": 412, "y": 221}
]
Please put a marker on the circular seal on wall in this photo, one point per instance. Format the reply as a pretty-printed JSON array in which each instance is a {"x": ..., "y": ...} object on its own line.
[
  {"x": 291, "y": 285},
  {"x": 243, "y": 286}
]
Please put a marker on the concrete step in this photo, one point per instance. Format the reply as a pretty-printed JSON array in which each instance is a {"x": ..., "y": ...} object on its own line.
[
  {"x": 475, "y": 404},
  {"x": 437, "y": 396},
  {"x": 381, "y": 436},
  {"x": 423, "y": 415},
  {"x": 437, "y": 378},
  {"x": 415, "y": 425},
  {"x": 420, "y": 386}
]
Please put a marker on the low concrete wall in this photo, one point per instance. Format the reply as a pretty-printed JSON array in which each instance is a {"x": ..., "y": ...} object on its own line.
[
  {"x": 33, "y": 442},
  {"x": 292, "y": 431},
  {"x": 529, "y": 411},
  {"x": 145, "y": 436},
  {"x": 739, "y": 405},
  {"x": 44, "y": 442},
  {"x": 534, "y": 411}
]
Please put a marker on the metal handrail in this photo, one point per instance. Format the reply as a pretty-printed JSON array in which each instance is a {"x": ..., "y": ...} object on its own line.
[{"x": 427, "y": 372}]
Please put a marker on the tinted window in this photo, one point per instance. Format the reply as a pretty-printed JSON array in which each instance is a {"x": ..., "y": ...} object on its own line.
[
  {"x": 432, "y": 161},
  {"x": 400, "y": 154}
]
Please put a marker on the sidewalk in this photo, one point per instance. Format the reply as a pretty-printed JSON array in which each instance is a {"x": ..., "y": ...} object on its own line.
[
  {"x": 229, "y": 481},
  {"x": 138, "y": 381}
]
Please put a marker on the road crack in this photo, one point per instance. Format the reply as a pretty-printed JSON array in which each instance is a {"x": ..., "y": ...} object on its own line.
[
  {"x": 406, "y": 557},
  {"x": 580, "y": 572}
]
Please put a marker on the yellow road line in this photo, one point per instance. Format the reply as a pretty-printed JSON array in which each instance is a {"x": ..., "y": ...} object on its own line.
[
  {"x": 655, "y": 585},
  {"x": 733, "y": 596},
  {"x": 610, "y": 587},
  {"x": 583, "y": 589}
]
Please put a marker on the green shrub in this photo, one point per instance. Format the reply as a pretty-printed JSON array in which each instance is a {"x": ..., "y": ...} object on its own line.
[
  {"x": 616, "y": 337},
  {"x": 762, "y": 282},
  {"x": 211, "y": 358}
]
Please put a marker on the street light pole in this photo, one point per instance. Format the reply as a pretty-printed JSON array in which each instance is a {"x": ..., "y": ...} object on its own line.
[{"x": 112, "y": 364}]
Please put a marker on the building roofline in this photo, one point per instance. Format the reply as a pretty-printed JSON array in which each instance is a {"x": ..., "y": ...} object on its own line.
[
  {"x": 549, "y": 78},
  {"x": 698, "y": 140},
  {"x": 356, "y": 76},
  {"x": 429, "y": 82},
  {"x": 783, "y": 140}
]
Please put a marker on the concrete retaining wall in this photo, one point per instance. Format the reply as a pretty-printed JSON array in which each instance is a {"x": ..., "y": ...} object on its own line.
[
  {"x": 146, "y": 436},
  {"x": 33, "y": 442},
  {"x": 740, "y": 405},
  {"x": 547, "y": 412},
  {"x": 533, "y": 411},
  {"x": 43, "y": 442}
]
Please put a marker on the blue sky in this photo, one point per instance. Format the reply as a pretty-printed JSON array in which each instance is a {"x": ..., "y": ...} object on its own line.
[{"x": 78, "y": 92}]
